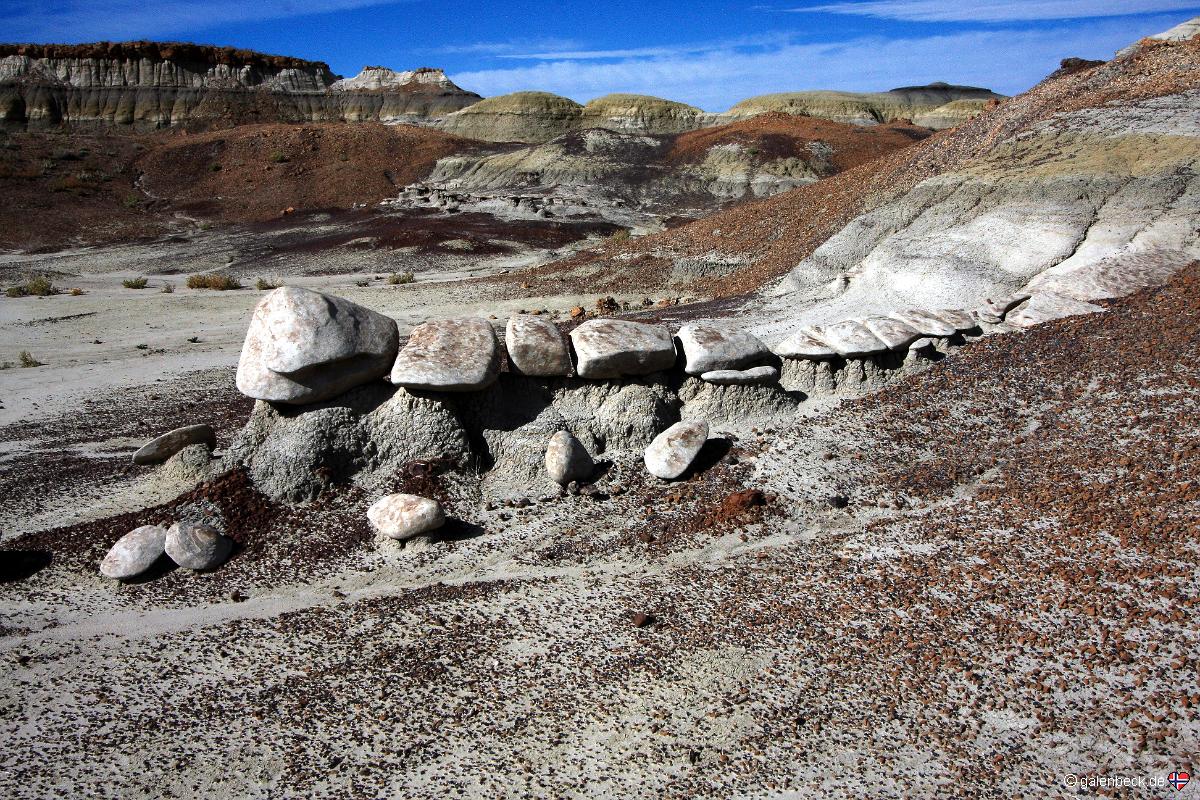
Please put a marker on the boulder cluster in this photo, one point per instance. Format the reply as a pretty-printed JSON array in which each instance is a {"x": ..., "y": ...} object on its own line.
[{"x": 191, "y": 545}]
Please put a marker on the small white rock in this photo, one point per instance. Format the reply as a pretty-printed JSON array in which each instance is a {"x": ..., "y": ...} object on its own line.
[
  {"x": 401, "y": 516},
  {"x": 674, "y": 450},
  {"x": 567, "y": 459},
  {"x": 741, "y": 377}
]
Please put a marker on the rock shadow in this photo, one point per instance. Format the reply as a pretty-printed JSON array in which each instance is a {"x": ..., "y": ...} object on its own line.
[
  {"x": 709, "y": 456},
  {"x": 19, "y": 565}
]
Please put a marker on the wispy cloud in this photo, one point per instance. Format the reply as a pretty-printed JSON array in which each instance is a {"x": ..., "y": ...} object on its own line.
[
  {"x": 716, "y": 79},
  {"x": 998, "y": 10},
  {"x": 92, "y": 20}
]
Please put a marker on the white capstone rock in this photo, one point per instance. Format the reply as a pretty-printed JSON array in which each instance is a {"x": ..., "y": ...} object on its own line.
[
  {"x": 196, "y": 546},
  {"x": 163, "y": 447},
  {"x": 741, "y": 377},
  {"x": 925, "y": 322},
  {"x": 305, "y": 346},
  {"x": 994, "y": 310},
  {"x": 610, "y": 348},
  {"x": 961, "y": 320},
  {"x": 536, "y": 347},
  {"x": 567, "y": 459},
  {"x": 707, "y": 348},
  {"x": 806, "y": 344},
  {"x": 1047, "y": 306},
  {"x": 134, "y": 553},
  {"x": 402, "y": 516},
  {"x": 895, "y": 334},
  {"x": 449, "y": 355},
  {"x": 674, "y": 450},
  {"x": 852, "y": 339}
]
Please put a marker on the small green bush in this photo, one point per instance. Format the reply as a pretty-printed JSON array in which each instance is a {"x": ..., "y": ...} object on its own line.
[
  {"x": 40, "y": 286},
  {"x": 134, "y": 283},
  {"x": 278, "y": 157},
  {"x": 397, "y": 278}
]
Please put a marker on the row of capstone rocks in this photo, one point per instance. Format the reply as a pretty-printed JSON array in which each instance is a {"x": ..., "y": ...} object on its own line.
[{"x": 305, "y": 347}]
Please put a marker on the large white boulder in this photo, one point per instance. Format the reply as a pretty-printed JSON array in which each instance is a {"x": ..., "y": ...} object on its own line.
[
  {"x": 402, "y": 516},
  {"x": 134, "y": 553},
  {"x": 674, "y": 450},
  {"x": 805, "y": 344},
  {"x": 895, "y": 334},
  {"x": 707, "y": 348},
  {"x": 536, "y": 347},
  {"x": 610, "y": 348},
  {"x": 449, "y": 355},
  {"x": 305, "y": 347}
]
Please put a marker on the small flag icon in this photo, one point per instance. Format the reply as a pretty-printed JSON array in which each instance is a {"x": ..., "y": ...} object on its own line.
[{"x": 1179, "y": 780}]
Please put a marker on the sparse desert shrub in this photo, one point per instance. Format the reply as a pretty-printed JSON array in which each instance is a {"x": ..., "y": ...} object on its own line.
[
  {"x": 40, "y": 286},
  {"x": 168, "y": 288},
  {"x": 213, "y": 280},
  {"x": 27, "y": 360},
  {"x": 278, "y": 157},
  {"x": 397, "y": 278},
  {"x": 266, "y": 284},
  {"x": 76, "y": 291},
  {"x": 132, "y": 201},
  {"x": 365, "y": 282},
  {"x": 134, "y": 283},
  {"x": 620, "y": 236}
]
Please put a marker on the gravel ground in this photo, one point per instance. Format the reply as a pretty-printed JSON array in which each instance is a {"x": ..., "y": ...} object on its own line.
[{"x": 979, "y": 582}]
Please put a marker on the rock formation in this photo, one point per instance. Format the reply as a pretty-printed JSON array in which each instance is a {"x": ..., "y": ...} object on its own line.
[{"x": 937, "y": 105}]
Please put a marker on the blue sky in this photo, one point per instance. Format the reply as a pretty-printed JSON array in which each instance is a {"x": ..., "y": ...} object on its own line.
[{"x": 710, "y": 53}]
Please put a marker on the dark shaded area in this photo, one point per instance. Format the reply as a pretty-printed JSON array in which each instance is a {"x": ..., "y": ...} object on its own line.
[{"x": 17, "y": 565}]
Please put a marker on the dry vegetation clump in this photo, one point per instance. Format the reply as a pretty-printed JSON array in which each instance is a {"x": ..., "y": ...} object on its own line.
[
  {"x": 134, "y": 283},
  {"x": 266, "y": 284},
  {"x": 213, "y": 280},
  {"x": 397, "y": 278},
  {"x": 41, "y": 286}
]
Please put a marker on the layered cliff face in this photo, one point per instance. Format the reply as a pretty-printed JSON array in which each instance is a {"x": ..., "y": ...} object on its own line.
[
  {"x": 149, "y": 85},
  {"x": 519, "y": 117}
]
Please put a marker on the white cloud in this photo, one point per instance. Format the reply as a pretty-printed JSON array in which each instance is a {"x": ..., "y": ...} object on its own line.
[
  {"x": 93, "y": 20},
  {"x": 998, "y": 10},
  {"x": 1008, "y": 61}
]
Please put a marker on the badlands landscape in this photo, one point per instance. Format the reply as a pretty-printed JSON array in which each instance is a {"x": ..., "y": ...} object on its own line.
[{"x": 365, "y": 437}]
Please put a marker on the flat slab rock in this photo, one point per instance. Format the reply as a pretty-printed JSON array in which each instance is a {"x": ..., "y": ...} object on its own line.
[
  {"x": 402, "y": 516},
  {"x": 674, "y": 450},
  {"x": 994, "y": 310},
  {"x": 895, "y": 334},
  {"x": 852, "y": 339},
  {"x": 567, "y": 459},
  {"x": 196, "y": 546},
  {"x": 305, "y": 347},
  {"x": 926, "y": 322},
  {"x": 163, "y": 447},
  {"x": 742, "y": 377},
  {"x": 1047, "y": 306},
  {"x": 805, "y": 344},
  {"x": 610, "y": 348},
  {"x": 707, "y": 348},
  {"x": 961, "y": 320},
  {"x": 536, "y": 347},
  {"x": 449, "y": 355},
  {"x": 134, "y": 553}
]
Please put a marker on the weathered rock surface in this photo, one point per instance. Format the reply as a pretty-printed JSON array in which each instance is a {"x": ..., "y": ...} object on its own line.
[
  {"x": 707, "y": 348},
  {"x": 805, "y": 344},
  {"x": 930, "y": 103},
  {"x": 567, "y": 459},
  {"x": 892, "y": 332},
  {"x": 134, "y": 553},
  {"x": 305, "y": 346},
  {"x": 925, "y": 322},
  {"x": 610, "y": 348},
  {"x": 196, "y": 546},
  {"x": 402, "y": 516},
  {"x": 449, "y": 355},
  {"x": 994, "y": 310},
  {"x": 1046, "y": 306},
  {"x": 961, "y": 320},
  {"x": 742, "y": 377},
  {"x": 852, "y": 339},
  {"x": 517, "y": 117},
  {"x": 674, "y": 450},
  {"x": 536, "y": 347},
  {"x": 163, "y": 447}
]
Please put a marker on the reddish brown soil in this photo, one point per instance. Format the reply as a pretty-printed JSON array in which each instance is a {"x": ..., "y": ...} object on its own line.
[
  {"x": 256, "y": 172},
  {"x": 778, "y": 135}
]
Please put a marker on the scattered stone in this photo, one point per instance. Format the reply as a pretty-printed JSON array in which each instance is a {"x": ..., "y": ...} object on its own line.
[
  {"x": 305, "y": 346},
  {"x": 567, "y": 459},
  {"x": 196, "y": 546},
  {"x": 449, "y": 355},
  {"x": 401, "y": 516},
  {"x": 740, "y": 377},
  {"x": 892, "y": 332},
  {"x": 610, "y": 348},
  {"x": 536, "y": 347},
  {"x": 163, "y": 447},
  {"x": 852, "y": 339},
  {"x": 805, "y": 344},
  {"x": 674, "y": 450},
  {"x": 134, "y": 553},
  {"x": 925, "y": 322},
  {"x": 707, "y": 348}
]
